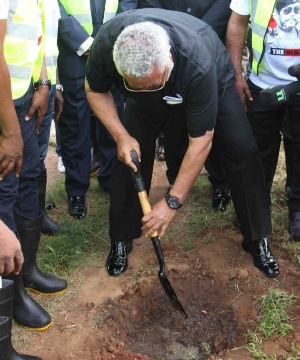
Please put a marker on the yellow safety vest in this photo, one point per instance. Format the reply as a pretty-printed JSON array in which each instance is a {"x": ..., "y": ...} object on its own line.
[
  {"x": 50, "y": 16},
  {"x": 261, "y": 12},
  {"x": 81, "y": 10},
  {"x": 111, "y": 7},
  {"x": 21, "y": 44}
]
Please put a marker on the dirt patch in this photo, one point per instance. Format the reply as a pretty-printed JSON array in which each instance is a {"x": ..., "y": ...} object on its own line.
[{"x": 131, "y": 318}]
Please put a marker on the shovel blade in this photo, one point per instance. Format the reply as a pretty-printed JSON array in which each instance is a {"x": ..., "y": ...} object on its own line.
[{"x": 171, "y": 293}]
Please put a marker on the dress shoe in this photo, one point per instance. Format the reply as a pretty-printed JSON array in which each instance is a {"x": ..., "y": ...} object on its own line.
[
  {"x": 263, "y": 259},
  {"x": 77, "y": 207},
  {"x": 294, "y": 225},
  {"x": 221, "y": 199},
  {"x": 116, "y": 262}
]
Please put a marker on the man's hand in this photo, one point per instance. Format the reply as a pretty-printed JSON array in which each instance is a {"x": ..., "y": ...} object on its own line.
[
  {"x": 158, "y": 219},
  {"x": 243, "y": 90},
  {"x": 11, "y": 154},
  {"x": 58, "y": 105},
  {"x": 39, "y": 104},
  {"x": 125, "y": 144},
  {"x": 11, "y": 256}
]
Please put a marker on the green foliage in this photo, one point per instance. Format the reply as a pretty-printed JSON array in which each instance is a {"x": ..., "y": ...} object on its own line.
[{"x": 273, "y": 320}]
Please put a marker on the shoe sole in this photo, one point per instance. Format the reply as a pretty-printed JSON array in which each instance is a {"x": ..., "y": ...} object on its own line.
[
  {"x": 34, "y": 328},
  {"x": 36, "y": 291}
]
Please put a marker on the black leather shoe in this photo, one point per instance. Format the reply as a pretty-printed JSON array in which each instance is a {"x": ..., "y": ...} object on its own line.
[
  {"x": 263, "y": 259},
  {"x": 77, "y": 207},
  {"x": 116, "y": 262},
  {"x": 294, "y": 225},
  {"x": 221, "y": 199}
]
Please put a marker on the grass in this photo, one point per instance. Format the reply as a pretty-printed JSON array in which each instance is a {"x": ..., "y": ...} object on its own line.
[{"x": 273, "y": 320}]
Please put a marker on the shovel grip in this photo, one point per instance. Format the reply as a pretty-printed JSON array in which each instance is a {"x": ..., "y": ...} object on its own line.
[{"x": 146, "y": 207}]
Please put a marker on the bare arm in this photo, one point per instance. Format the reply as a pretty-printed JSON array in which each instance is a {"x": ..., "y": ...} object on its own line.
[
  {"x": 11, "y": 256},
  {"x": 104, "y": 108},
  {"x": 161, "y": 215},
  {"x": 11, "y": 143},
  {"x": 235, "y": 42}
]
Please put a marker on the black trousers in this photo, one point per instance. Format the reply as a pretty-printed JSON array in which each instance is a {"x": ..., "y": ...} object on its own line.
[
  {"x": 75, "y": 136},
  {"x": 266, "y": 123},
  {"x": 235, "y": 138}
]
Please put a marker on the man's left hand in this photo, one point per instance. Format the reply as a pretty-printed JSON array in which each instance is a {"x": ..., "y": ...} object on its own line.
[{"x": 158, "y": 219}]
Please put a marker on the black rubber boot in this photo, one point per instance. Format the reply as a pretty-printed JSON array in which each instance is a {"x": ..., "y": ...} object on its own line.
[
  {"x": 29, "y": 232},
  {"x": 4, "y": 337},
  {"x": 30, "y": 313},
  {"x": 49, "y": 226}
]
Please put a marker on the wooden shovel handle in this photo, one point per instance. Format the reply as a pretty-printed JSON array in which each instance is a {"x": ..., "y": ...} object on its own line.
[{"x": 146, "y": 207}]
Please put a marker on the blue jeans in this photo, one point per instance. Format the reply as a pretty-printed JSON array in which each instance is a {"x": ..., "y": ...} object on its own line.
[
  {"x": 44, "y": 135},
  {"x": 20, "y": 195}
]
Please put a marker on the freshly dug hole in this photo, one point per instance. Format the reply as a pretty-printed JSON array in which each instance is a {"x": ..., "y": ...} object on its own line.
[{"x": 146, "y": 321}]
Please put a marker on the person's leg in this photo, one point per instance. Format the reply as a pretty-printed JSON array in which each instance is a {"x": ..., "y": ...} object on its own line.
[
  {"x": 49, "y": 226},
  {"x": 246, "y": 179},
  {"x": 294, "y": 199},
  {"x": 75, "y": 136},
  {"x": 28, "y": 218},
  {"x": 125, "y": 211},
  {"x": 95, "y": 159},
  {"x": 44, "y": 134},
  {"x": 26, "y": 310},
  {"x": 214, "y": 165},
  {"x": 107, "y": 145},
  {"x": 286, "y": 130},
  {"x": 266, "y": 125},
  {"x": 60, "y": 164}
]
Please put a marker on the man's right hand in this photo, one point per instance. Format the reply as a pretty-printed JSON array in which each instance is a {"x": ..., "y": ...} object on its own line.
[
  {"x": 243, "y": 90},
  {"x": 125, "y": 144},
  {"x": 11, "y": 256}
]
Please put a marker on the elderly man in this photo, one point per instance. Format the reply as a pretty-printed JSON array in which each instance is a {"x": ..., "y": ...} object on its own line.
[{"x": 177, "y": 64}]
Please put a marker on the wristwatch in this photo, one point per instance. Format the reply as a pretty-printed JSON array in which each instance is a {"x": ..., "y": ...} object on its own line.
[
  {"x": 173, "y": 202},
  {"x": 59, "y": 87},
  {"x": 43, "y": 82}
]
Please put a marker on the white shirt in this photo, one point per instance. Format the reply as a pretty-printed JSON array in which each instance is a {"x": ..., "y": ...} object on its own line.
[
  {"x": 4, "y": 9},
  {"x": 241, "y": 7},
  {"x": 280, "y": 49}
]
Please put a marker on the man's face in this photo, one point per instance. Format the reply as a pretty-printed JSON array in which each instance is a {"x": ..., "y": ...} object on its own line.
[{"x": 289, "y": 17}]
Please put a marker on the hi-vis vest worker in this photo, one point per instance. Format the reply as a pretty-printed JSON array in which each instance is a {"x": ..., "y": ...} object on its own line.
[
  {"x": 50, "y": 17},
  {"x": 23, "y": 43},
  {"x": 111, "y": 7},
  {"x": 81, "y": 11},
  {"x": 261, "y": 12}
]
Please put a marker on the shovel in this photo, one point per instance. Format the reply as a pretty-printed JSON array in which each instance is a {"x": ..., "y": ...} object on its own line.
[{"x": 146, "y": 207}]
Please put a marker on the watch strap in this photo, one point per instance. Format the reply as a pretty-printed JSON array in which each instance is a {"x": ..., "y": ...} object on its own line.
[{"x": 43, "y": 82}]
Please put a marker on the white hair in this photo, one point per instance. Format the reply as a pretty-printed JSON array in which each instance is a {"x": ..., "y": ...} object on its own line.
[{"x": 141, "y": 46}]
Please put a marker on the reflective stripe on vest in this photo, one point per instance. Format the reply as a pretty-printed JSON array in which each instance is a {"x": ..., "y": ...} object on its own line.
[
  {"x": 261, "y": 12},
  {"x": 111, "y": 7},
  {"x": 21, "y": 43},
  {"x": 50, "y": 15},
  {"x": 81, "y": 10}
]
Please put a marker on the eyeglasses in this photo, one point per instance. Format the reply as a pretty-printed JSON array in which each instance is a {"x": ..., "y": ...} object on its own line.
[
  {"x": 289, "y": 9},
  {"x": 151, "y": 89}
]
